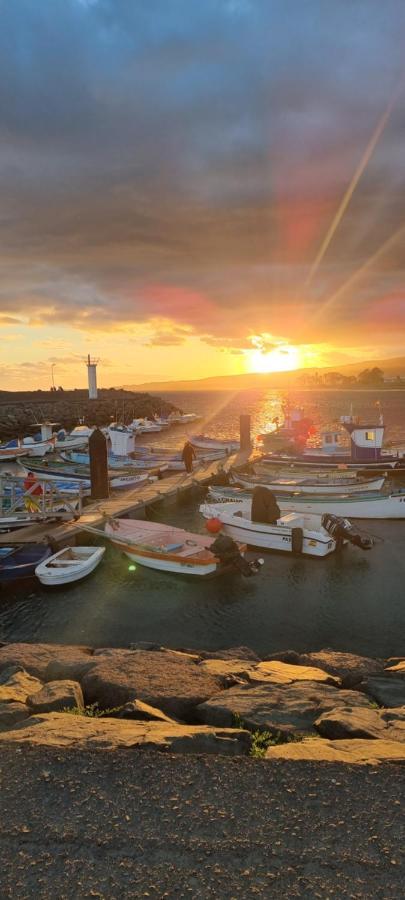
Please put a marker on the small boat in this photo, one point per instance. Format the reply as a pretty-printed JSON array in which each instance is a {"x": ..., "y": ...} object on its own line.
[
  {"x": 61, "y": 472},
  {"x": 365, "y": 450},
  {"x": 352, "y": 506},
  {"x": 165, "y": 548},
  {"x": 324, "y": 484},
  {"x": 77, "y": 438},
  {"x": 144, "y": 426},
  {"x": 202, "y": 442},
  {"x": 183, "y": 418},
  {"x": 11, "y": 451},
  {"x": 21, "y": 560},
  {"x": 34, "y": 446},
  {"x": 69, "y": 565},
  {"x": 297, "y": 533}
]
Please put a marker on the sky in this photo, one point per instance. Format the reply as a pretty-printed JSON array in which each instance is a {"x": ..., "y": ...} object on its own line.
[{"x": 194, "y": 188}]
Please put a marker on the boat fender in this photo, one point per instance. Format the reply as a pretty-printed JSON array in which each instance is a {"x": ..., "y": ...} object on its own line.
[{"x": 297, "y": 541}]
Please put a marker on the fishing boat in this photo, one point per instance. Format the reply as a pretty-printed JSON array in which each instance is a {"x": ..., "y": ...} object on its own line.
[
  {"x": 183, "y": 418},
  {"x": 292, "y": 533},
  {"x": 78, "y": 438},
  {"x": 74, "y": 474},
  {"x": 293, "y": 431},
  {"x": 144, "y": 426},
  {"x": 352, "y": 506},
  {"x": 11, "y": 451},
  {"x": 323, "y": 484},
  {"x": 69, "y": 565},
  {"x": 202, "y": 442},
  {"x": 365, "y": 450},
  {"x": 21, "y": 560},
  {"x": 153, "y": 465},
  {"x": 165, "y": 548}
]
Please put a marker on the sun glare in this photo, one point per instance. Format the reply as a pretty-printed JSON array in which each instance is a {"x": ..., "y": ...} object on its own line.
[{"x": 281, "y": 359}]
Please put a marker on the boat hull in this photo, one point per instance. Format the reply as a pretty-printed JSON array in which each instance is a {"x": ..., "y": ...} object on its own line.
[
  {"x": 22, "y": 562},
  {"x": 354, "y": 506},
  {"x": 297, "y": 487},
  {"x": 160, "y": 564},
  {"x": 70, "y": 574},
  {"x": 269, "y": 537}
]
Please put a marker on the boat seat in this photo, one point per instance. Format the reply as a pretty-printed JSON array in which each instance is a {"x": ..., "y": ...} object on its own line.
[
  {"x": 65, "y": 562},
  {"x": 291, "y": 520}
]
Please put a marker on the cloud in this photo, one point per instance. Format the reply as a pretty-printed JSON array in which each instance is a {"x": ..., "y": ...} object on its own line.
[{"x": 183, "y": 162}]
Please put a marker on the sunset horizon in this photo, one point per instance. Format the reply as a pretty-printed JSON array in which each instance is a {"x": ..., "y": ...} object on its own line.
[{"x": 180, "y": 205}]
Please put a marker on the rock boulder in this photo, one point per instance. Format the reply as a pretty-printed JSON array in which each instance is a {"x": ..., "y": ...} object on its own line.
[
  {"x": 35, "y": 658},
  {"x": 170, "y": 682},
  {"x": 11, "y": 713},
  {"x": 355, "y": 752},
  {"x": 387, "y": 691},
  {"x": 349, "y": 667},
  {"x": 80, "y": 732},
  {"x": 277, "y": 672},
  {"x": 16, "y": 685},
  {"x": 57, "y": 696},
  {"x": 290, "y": 709},
  {"x": 388, "y": 724}
]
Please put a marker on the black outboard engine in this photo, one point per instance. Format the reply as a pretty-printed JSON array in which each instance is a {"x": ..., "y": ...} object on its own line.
[
  {"x": 228, "y": 553},
  {"x": 342, "y": 530}
]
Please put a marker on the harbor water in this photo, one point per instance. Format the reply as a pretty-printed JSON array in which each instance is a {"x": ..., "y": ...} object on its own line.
[{"x": 350, "y": 600}]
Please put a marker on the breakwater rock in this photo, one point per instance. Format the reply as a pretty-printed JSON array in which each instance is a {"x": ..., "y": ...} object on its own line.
[
  {"x": 20, "y": 410},
  {"x": 226, "y": 702}
]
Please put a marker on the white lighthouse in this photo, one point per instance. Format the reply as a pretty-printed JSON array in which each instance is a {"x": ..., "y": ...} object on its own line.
[{"x": 92, "y": 377}]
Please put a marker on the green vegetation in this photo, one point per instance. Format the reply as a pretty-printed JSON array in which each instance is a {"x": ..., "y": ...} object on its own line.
[
  {"x": 92, "y": 711},
  {"x": 261, "y": 740}
]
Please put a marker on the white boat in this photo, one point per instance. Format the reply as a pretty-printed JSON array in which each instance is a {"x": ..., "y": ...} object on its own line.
[
  {"x": 292, "y": 533},
  {"x": 202, "y": 442},
  {"x": 183, "y": 418},
  {"x": 77, "y": 438},
  {"x": 352, "y": 506},
  {"x": 69, "y": 565},
  {"x": 11, "y": 451},
  {"x": 38, "y": 448},
  {"x": 164, "y": 547},
  {"x": 324, "y": 484},
  {"x": 144, "y": 426}
]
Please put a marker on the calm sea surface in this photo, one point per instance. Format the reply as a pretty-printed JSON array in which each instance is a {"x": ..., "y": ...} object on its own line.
[{"x": 351, "y": 601}]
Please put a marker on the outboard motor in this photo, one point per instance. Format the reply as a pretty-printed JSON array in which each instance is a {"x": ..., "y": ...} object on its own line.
[
  {"x": 342, "y": 530},
  {"x": 228, "y": 553}
]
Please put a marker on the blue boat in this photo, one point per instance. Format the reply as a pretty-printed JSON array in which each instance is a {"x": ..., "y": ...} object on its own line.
[{"x": 21, "y": 560}]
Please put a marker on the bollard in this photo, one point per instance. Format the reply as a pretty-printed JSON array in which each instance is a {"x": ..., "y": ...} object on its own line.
[
  {"x": 244, "y": 431},
  {"x": 98, "y": 466}
]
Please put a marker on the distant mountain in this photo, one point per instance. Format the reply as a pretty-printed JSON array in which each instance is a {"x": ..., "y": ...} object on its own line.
[{"x": 252, "y": 381}]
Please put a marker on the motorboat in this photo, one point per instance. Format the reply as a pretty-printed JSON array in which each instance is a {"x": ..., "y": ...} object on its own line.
[
  {"x": 293, "y": 431},
  {"x": 202, "y": 442},
  {"x": 364, "y": 451},
  {"x": 21, "y": 560},
  {"x": 11, "y": 451},
  {"x": 77, "y": 475},
  {"x": 152, "y": 465},
  {"x": 144, "y": 426},
  {"x": 323, "y": 484},
  {"x": 354, "y": 506},
  {"x": 183, "y": 418},
  {"x": 78, "y": 438},
  {"x": 69, "y": 565},
  {"x": 297, "y": 533},
  {"x": 34, "y": 446},
  {"x": 165, "y": 548}
]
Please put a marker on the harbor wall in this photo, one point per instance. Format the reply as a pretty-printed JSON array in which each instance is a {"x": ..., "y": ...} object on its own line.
[{"x": 20, "y": 410}]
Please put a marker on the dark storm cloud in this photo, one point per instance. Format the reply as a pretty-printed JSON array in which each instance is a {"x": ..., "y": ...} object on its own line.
[{"x": 183, "y": 160}]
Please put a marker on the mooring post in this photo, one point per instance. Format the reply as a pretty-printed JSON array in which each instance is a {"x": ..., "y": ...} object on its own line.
[
  {"x": 244, "y": 431},
  {"x": 98, "y": 465}
]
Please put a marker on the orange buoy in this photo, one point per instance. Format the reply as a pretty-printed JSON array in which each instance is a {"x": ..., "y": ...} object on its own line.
[{"x": 213, "y": 526}]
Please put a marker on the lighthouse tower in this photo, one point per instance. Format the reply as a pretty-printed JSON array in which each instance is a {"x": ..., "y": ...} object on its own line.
[{"x": 92, "y": 377}]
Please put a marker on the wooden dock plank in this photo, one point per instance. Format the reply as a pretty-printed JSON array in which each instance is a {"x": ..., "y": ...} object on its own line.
[{"x": 119, "y": 504}]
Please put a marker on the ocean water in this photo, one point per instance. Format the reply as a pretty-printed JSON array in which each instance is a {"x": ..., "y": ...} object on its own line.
[{"x": 350, "y": 601}]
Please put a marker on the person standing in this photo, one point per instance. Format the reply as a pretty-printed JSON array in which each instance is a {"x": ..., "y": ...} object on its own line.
[{"x": 188, "y": 455}]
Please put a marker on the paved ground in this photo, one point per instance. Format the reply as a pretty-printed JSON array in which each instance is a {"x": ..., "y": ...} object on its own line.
[{"x": 137, "y": 824}]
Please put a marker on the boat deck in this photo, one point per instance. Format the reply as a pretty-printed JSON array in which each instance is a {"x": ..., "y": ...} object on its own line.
[{"x": 121, "y": 504}]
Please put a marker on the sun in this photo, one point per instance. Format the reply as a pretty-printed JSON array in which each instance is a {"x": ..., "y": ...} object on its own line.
[{"x": 281, "y": 359}]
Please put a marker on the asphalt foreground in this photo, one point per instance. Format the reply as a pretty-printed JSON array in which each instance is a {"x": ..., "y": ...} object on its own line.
[{"x": 75, "y": 824}]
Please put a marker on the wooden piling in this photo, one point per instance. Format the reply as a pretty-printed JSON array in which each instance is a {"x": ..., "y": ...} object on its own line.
[
  {"x": 244, "y": 431},
  {"x": 98, "y": 466}
]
